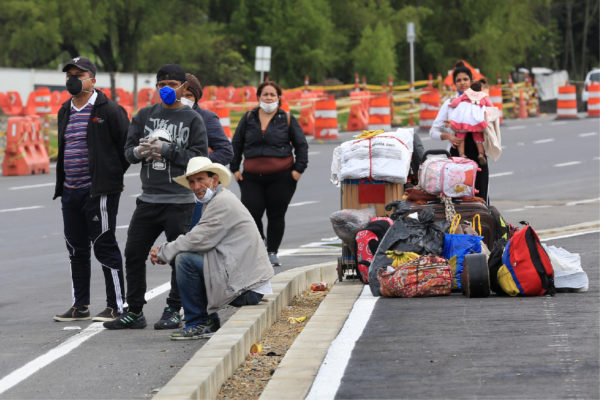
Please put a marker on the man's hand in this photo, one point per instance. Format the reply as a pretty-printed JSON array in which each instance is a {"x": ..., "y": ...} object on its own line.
[
  {"x": 154, "y": 257},
  {"x": 143, "y": 150},
  {"x": 238, "y": 176},
  {"x": 156, "y": 146}
]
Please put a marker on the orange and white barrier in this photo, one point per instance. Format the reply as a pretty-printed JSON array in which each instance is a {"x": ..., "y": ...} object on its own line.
[
  {"x": 358, "y": 119},
  {"x": 326, "y": 122},
  {"x": 496, "y": 97},
  {"x": 429, "y": 107},
  {"x": 25, "y": 150},
  {"x": 566, "y": 106},
  {"x": 594, "y": 100},
  {"x": 379, "y": 113},
  {"x": 219, "y": 108}
]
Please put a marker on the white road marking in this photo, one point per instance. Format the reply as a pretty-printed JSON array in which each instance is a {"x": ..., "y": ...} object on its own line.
[
  {"x": 515, "y": 210},
  {"x": 134, "y": 195},
  {"x": 330, "y": 374},
  {"x": 543, "y": 141},
  {"x": 425, "y": 138},
  {"x": 521, "y": 144},
  {"x": 302, "y": 203},
  {"x": 32, "y": 186},
  {"x": 122, "y": 226},
  {"x": 574, "y": 203},
  {"x": 516, "y": 127},
  {"x": 587, "y": 134},
  {"x": 131, "y": 174},
  {"x": 501, "y": 174},
  {"x": 569, "y": 235},
  {"x": 567, "y": 164},
  {"x": 19, "y": 375},
  {"x": 313, "y": 153},
  {"x": 20, "y": 209},
  {"x": 558, "y": 123}
]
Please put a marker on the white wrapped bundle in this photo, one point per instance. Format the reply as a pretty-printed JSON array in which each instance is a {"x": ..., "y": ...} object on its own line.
[{"x": 383, "y": 157}]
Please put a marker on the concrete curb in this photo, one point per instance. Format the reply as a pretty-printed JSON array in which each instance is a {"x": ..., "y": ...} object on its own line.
[
  {"x": 215, "y": 362},
  {"x": 295, "y": 374},
  {"x": 581, "y": 228}
]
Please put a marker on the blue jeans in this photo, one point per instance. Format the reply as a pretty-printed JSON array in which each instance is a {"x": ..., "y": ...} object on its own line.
[{"x": 192, "y": 290}]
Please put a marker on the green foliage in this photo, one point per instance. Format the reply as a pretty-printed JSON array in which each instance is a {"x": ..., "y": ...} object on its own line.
[
  {"x": 216, "y": 39},
  {"x": 375, "y": 56}
]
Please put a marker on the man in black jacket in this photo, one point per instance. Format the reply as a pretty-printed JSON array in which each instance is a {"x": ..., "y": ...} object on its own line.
[{"x": 92, "y": 131}]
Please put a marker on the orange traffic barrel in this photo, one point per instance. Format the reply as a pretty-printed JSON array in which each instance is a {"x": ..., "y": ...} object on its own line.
[
  {"x": 358, "y": 120},
  {"x": 566, "y": 106},
  {"x": 594, "y": 100},
  {"x": 219, "y": 108},
  {"x": 379, "y": 113},
  {"x": 496, "y": 98},
  {"x": 429, "y": 104},
  {"x": 326, "y": 122}
]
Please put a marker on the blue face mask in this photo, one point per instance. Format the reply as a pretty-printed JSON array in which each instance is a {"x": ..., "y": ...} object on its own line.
[{"x": 168, "y": 95}]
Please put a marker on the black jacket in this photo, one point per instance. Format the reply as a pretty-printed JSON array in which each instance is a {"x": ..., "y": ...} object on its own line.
[
  {"x": 106, "y": 134},
  {"x": 278, "y": 141}
]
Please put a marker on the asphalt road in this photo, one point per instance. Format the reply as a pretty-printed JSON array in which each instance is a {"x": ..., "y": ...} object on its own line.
[{"x": 548, "y": 174}]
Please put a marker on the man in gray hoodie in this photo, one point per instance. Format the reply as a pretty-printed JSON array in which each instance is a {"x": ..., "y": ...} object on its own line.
[
  {"x": 163, "y": 137},
  {"x": 222, "y": 260}
]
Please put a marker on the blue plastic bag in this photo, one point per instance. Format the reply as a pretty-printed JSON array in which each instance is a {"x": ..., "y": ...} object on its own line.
[{"x": 459, "y": 246}]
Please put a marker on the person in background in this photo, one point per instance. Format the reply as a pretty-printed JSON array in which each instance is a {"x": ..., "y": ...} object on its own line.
[
  {"x": 441, "y": 129},
  {"x": 265, "y": 138},
  {"x": 222, "y": 260},
  {"x": 467, "y": 114},
  {"x": 219, "y": 146},
  {"x": 89, "y": 176},
  {"x": 163, "y": 137}
]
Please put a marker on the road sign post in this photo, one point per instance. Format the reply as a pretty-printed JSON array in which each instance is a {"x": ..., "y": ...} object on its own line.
[
  {"x": 262, "y": 61},
  {"x": 410, "y": 37}
]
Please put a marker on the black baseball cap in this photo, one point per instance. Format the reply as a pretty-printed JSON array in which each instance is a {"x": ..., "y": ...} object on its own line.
[
  {"x": 83, "y": 63},
  {"x": 171, "y": 72}
]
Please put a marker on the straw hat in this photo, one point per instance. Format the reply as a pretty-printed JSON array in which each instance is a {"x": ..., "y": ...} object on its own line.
[{"x": 203, "y": 164}]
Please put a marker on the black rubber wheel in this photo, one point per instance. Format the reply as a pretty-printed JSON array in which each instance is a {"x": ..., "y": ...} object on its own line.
[
  {"x": 475, "y": 278},
  {"x": 340, "y": 269}
]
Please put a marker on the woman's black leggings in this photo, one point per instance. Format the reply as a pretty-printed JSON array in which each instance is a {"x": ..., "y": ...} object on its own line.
[{"x": 272, "y": 193}]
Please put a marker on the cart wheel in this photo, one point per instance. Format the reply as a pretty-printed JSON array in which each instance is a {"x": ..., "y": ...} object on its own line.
[
  {"x": 340, "y": 269},
  {"x": 475, "y": 278}
]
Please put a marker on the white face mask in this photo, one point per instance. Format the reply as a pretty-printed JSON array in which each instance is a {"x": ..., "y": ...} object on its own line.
[
  {"x": 186, "y": 102},
  {"x": 269, "y": 107},
  {"x": 208, "y": 195}
]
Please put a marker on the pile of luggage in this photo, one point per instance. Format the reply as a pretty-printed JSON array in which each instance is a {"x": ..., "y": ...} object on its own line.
[{"x": 442, "y": 238}]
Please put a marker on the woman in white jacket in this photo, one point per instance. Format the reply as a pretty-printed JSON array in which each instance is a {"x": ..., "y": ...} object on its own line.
[{"x": 441, "y": 130}]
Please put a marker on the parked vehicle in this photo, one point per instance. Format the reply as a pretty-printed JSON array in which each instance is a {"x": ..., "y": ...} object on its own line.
[{"x": 593, "y": 75}]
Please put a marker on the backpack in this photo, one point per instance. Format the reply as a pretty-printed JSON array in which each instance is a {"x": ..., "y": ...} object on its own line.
[
  {"x": 526, "y": 268},
  {"x": 367, "y": 242}
]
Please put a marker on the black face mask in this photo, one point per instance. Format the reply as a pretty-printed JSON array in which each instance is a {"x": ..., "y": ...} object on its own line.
[{"x": 75, "y": 85}]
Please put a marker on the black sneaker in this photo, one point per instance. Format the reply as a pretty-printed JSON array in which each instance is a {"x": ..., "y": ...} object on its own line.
[
  {"x": 107, "y": 315},
  {"x": 200, "y": 331},
  {"x": 274, "y": 259},
  {"x": 127, "y": 320},
  {"x": 171, "y": 319},
  {"x": 74, "y": 314}
]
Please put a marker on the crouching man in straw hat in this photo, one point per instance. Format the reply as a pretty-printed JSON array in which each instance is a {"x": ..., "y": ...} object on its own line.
[{"x": 222, "y": 260}]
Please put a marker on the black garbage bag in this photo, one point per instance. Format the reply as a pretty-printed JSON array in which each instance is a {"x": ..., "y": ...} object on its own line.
[{"x": 421, "y": 236}]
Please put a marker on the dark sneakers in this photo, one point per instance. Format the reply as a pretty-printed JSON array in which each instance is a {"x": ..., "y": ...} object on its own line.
[
  {"x": 171, "y": 319},
  {"x": 200, "y": 331},
  {"x": 107, "y": 315},
  {"x": 274, "y": 259},
  {"x": 127, "y": 320},
  {"x": 74, "y": 314}
]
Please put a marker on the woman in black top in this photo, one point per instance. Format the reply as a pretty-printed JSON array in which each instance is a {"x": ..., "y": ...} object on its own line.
[{"x": 268, "y": 138}]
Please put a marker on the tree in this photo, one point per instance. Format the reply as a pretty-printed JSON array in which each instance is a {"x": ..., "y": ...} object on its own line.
[
  {"x": 375, "y": 56},
  {"x": 29, "y": 36}
]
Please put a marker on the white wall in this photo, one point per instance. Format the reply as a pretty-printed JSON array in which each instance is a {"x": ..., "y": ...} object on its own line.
[{"x": 24, "y": 81}]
